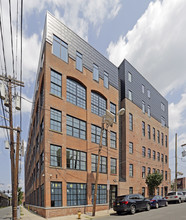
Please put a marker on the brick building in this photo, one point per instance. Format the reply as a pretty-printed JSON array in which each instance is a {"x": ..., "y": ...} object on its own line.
[
  {"x": 181, "y": 183},
  {"x": 75, "y": 85}
]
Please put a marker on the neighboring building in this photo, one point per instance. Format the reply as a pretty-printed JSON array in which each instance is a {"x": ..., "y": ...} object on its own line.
[
  {"x": 144, "y": 133},
  {"x": 4, "y": 200},
  {"x": 75, "y": 85},
  {"x": 181, "y": 183}
]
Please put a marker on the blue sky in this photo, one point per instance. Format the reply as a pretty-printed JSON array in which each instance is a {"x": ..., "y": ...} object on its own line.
[{"x": 149, "y": 34}]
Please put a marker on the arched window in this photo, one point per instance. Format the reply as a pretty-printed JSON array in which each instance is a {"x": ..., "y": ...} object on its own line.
[{"x": 76, "y": 93}]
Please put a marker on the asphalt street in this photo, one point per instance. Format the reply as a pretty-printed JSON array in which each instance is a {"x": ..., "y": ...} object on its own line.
[{"x": 172, "y": 212}]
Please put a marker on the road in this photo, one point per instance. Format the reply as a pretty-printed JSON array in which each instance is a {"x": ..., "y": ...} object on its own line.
[
  {"x": 6, "y": 213},
  {"x": 172, "y": 212}
]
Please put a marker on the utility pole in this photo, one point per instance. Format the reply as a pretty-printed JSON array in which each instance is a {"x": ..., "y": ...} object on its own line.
[
  {"x": 14, "y": 160},
  {"x": 176, "y": 162}
]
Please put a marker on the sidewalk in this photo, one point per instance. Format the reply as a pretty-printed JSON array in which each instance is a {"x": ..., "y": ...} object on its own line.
[{"x": 29, "y": 215}]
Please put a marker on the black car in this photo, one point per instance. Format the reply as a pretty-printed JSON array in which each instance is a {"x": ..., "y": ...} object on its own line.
[
  {"x": 131, "y": 203},
  {"x": 158, "y": 201}
]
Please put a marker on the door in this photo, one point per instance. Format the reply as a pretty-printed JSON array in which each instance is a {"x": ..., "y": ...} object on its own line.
[{"x": 112, "y": 195}]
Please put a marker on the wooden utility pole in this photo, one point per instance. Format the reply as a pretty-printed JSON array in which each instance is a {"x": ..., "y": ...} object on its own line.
[
  {"x": 14, "y": 161},
  {"x": 176, "y": 162}
]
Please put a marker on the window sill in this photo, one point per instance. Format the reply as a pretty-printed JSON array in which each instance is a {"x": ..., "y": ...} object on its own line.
[
  {"x": 56, "y": 96},
  {"x": 54, "y": 167},
  {"x": 58, "y": 132},
  {"x": 113, "y": 174}
]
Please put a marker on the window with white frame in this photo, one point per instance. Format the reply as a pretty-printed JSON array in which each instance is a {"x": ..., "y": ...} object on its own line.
[
  {"x": 131, "y": 170},
  {"x": 60, "y": 48},
  {"x": 130, "y": 95},
  {"x": 106, "y": 80},
  {"x": 79, "y": 62},
  {"x": 148, "y": 93},
  {"x": 148, "y": 110},
  {"x": 143, "y": 89},
  {"x": 129, "y": 77},
  {"x": 143, "y": 106},
  {"x": 162, "y": 107},
  {"x": 130, "y": 147},
  {"x": 95, "y": 72},
  {"x": 163, "y": 121}
]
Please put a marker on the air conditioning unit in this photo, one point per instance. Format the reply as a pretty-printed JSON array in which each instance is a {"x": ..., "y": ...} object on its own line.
[{"x": 7, "y": 145}]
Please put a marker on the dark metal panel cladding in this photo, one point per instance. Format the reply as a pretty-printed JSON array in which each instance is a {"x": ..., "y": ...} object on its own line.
[
  {"x": 75, "y": 43},
  {"x": 135, "y": 86}
]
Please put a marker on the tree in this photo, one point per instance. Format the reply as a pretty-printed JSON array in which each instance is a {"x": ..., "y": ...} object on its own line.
[
  {"x": 153, "y": 181},
  {"x": 20, "y": 195}
]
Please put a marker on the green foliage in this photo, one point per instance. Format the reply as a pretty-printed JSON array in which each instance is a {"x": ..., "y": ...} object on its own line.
[
  {"x": 153, "y": 181},
  {"x": 20, "y": 195}
]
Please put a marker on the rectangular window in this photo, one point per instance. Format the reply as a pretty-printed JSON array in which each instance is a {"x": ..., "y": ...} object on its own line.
[
  {"x": 76, "y": 160},
  {"x": 165, "y": 175},
  {"x": 162, "y": 139},
  {"x": 149, "y": 153},
  {"x": 143, "y": 128},
  {"x": 163, "y": 121},
  {"x": 162, "y": 173},
  {"x": 55, "y": 155},
  {"x": 76, "y": 194},
  {"x": 158, "y": 136},
  {"x": 158, "y": 156},
  {"x": 55, "y": 83},
  {"x": 148, "y": 110},
  {"x": 130, "y": 147},
  {"x": 95, "y": 72},
  {"x": 60, "y": 49},
  {"x": 143, "y": 106},
  {"x": 143, "y": 89},
  {"x": 101, "y": 194},
  {"x": 56, "y": 194},
  {"x": 79, "y": 62},
  {"x": 165, "y": 158},
  {"x": 129, "y": 77},
  {"x": 55, "y": 119},
  {"x": 98, "y": 104},
  {"x": 41, "y": 130},
  {"x": 112, "y": 139},
  {"x": 113, "y": 110},
  {"x": 148, "y": 129},
  {"x": 154, "y": 134},
  {"x": 148, "y": 170},
  {"x": 154, "y": 155},
  {"x": 130, "y": 121},
  {"x": 143, "y": 172},
  {"x": 76, "y": 93},
  {"x": 148, "y": 93},
  {"x": 153, "y": 170},
  {"x": 130, "y": 95},
  {"x": 102, "y": 165},
  {"x": 42, "y": 161},
  {"x": 113, "y": 166},
  {"x": 106, "y": 80},
  {"x": 162, "y": 158},
  {"x": 158, "y": 171},
  {"x": 166, "y": 141},
  {"x": 143, "y": 191},
  {"x": 95, "y": 135},
  {"x": 162, "y": 107},
  {"x": 42, "y": 195},
  {"x": 131, "y": 170},
  {"x": 143, "y": 151},
  {"x": 76, "y": 127},
  {"x": 130, "y": 190}
]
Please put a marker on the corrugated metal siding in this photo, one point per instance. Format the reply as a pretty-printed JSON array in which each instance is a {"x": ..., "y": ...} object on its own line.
[
  {"x": 136, "y": 87},
  {"x": 75, "y": 43}
]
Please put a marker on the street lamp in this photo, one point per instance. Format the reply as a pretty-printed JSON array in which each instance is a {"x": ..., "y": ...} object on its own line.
[{"x": 107, "y": 119}]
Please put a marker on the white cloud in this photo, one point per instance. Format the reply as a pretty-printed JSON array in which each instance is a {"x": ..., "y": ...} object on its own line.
[
  {"x": 176, "y": 114},
  {"x": 156, "y": 45},
  {"x": 79, "y": 14}
]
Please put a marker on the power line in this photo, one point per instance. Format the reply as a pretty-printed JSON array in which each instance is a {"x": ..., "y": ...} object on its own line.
[{"x": 11, "y": 34}]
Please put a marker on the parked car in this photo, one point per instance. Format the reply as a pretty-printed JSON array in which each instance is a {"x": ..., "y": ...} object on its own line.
[
  {"x": 177, "y": 197},
  {"x": 158, "y": 201},
  {"x": 131, "y": 203},
  {"x": 184, "y": 193}
]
